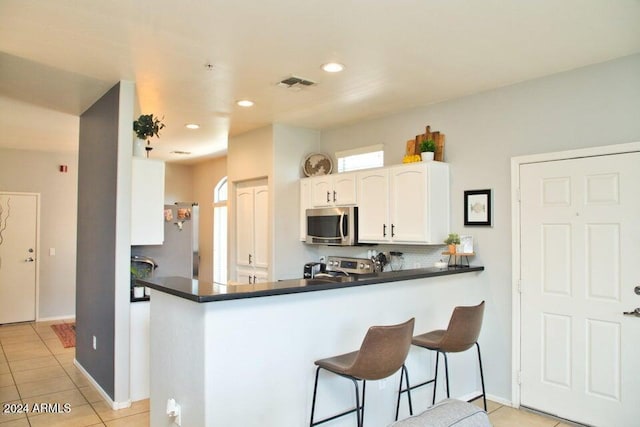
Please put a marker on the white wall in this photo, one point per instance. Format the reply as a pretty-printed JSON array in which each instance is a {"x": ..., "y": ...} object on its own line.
[
  {"x": 37, "y": 172},
  {"x": 178, "y": 183},
  {"x": 592, "y": 106}
]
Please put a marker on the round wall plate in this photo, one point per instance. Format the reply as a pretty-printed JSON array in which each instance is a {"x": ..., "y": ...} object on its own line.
[{"x": 317, "y": 164}]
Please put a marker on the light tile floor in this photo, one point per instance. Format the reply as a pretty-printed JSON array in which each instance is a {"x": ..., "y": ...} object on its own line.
[{"x": 35, "y": 368}]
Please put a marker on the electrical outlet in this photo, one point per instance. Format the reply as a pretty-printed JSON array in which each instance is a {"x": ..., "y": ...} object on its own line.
[{"x": 95, "y": 343}]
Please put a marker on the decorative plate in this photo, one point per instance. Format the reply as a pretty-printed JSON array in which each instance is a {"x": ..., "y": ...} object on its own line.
[{"x": 317, "y": 164}]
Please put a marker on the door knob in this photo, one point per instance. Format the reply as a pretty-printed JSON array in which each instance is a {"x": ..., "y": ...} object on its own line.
[
  {"x": 29, "y": 259},
  {"x": 635, "y": 312},
  {"x": 637, "y": 290}
]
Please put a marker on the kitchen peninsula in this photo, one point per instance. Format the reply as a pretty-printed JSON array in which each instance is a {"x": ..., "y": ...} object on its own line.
[{"x": 243, "y": 354}]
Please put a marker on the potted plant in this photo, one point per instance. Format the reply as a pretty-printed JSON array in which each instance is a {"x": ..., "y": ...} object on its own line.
[
  {"x": 427, "y": 149},
  {"x": 452, "y": 240},
  {"x": 146, "y": 127}
]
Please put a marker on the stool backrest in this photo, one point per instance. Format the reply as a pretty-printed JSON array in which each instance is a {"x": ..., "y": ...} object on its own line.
[
  {"x": 464, "y": 328},
  {"x": 383, "y": 351}
]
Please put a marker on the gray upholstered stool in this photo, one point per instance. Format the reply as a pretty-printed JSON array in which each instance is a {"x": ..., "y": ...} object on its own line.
[{"x": 446, "y": 413}]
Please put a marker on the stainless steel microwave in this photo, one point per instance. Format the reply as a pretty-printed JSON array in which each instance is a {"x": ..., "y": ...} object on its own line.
[{"x": 333, "y": 226}]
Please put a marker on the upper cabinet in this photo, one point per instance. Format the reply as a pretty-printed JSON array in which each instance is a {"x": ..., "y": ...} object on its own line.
[
  {"x": 333, "y": 190},
  {"x": 147, "y": 201},
  {"x": 407, "y": 204}
]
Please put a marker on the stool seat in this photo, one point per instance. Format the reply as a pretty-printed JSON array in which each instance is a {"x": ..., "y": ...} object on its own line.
[
  {"x": 342, "y": 364},
  {"x": 430, "y": 340}
]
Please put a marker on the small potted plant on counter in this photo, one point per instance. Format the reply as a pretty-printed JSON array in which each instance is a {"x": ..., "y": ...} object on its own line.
[
  {"x": 452, "y": 240},
  {"x": 427, "y": 149},
  {"x": 145, "y": 128}
]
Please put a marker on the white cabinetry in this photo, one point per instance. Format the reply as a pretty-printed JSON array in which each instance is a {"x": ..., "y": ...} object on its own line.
[
  {"x": 139, "y": 351},
  {"x": 406, "y": 204},
  {"x": 333, "y": 190},
  {"x": 252, "y": 245},
  {"x": 147, "y": 201}
]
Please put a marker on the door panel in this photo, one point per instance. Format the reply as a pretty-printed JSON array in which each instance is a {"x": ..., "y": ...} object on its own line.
[
  {"x": 580, "y": 239},
  {"x": 18, "y": 263},
  {"x": 261, "y": 226},
  {"x": 244, "y": 226},
  {"x": 373, "y": 206}
]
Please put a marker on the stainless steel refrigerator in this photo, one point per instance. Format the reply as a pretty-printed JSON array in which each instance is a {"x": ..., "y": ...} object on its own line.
[{"x": 178, "y": 255}]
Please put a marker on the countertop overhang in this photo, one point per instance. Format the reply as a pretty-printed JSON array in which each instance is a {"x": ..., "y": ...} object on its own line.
[{"x": 199, "y": 291}]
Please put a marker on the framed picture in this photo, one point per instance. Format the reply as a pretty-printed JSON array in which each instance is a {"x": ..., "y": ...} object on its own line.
[{"x": 477, "y": 207}]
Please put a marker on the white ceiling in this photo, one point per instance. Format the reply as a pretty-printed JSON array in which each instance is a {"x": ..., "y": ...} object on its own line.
[{"x": 63, "y": 55}]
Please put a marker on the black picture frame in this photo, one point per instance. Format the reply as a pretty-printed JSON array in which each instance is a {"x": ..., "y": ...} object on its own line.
[{"x": 477, "y": 207}]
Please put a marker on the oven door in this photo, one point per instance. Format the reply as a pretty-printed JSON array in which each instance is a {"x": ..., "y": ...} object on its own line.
[{"x": 332, "y": 226}]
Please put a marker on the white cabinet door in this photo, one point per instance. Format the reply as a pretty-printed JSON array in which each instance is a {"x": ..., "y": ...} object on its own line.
[
  {"x": 344, "y": 189},
  {"x": 261, "y": 227},
  {"x": 408, "y": 209},
  {"x": 321, "y": 191},
  {"x": 252, "y": 232},
  {"x": 373, "y": 206},
  {"x": 244, "y": 226},
  {"x": 147, "y": 202},
  {"x": 333, "y": 190}
]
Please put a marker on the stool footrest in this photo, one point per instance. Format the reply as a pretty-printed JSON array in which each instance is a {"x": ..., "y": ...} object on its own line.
[
  {"x": 419, "y": 385},
  {"x": 335, "y": 416}
]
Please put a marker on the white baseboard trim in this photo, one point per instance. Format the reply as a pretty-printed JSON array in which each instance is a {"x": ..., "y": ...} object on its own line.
[
  {"x": 49, "y": 319},
  {"x": 114, "y": 405},
  {"x": 491, "y": 397}
]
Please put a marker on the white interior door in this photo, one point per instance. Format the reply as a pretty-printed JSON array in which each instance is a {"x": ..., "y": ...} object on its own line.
[
  {"x": 580, "y": 241},
  {"x": 18, "y": 237}
]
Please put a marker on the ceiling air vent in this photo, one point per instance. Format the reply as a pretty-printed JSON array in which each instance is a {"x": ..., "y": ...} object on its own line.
[{"x": 294, "y": 82}]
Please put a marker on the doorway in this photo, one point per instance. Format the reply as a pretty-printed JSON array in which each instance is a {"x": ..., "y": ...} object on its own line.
[
  {"x": 576, "y": 239},
  {"x": 19, "y": 219}
]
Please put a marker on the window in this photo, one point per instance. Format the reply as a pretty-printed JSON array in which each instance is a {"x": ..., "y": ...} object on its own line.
[
  {"x": 220, "y": 232},
  {"x": 360, "y": 158}
]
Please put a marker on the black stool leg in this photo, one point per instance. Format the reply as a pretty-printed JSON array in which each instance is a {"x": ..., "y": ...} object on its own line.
[
  {"x": 364, "y": 389},
  {"x": 484, "y": 395},
  {"x": 435, "y": 379},
  {"x": 313, "y": 404},
  {"x": 446, "y": 372},
  {"x": 404, "y": 372}
]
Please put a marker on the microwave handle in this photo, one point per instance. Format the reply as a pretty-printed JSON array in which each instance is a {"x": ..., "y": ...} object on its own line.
[{"x": 342, "y": 226}]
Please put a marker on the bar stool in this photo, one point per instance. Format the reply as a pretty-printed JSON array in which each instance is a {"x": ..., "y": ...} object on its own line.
[
  {"x": 383, "y": 351},
  {"x": 461, "y": 334}
]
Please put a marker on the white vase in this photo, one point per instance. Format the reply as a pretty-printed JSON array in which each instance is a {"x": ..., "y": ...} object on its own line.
[
  {"x": 427, "y": 156},
  {"x": 138, "y": 147}
]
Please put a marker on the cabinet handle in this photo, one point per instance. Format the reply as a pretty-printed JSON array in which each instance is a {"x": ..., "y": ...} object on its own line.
[
  {"x": 334, "y": 196},
  {"x": 249, "y": 258},
  {"x": 328, "y": 199},
  {"x": 254, "y": 279},
  {"x": 384, "y": 230},
  {"x": 393, "y": 227},
  {"x": 250, "y": 280}
]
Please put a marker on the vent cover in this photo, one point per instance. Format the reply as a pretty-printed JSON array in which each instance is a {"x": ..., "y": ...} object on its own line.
[{"x": 294, "y": 82}]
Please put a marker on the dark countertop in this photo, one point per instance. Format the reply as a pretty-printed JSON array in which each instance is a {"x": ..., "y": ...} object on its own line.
[{"x": 194, "y": 290}]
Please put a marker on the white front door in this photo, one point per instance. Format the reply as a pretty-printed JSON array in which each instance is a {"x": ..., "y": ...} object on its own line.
[
  {"x": 18, "y": 228},
  {"x": 580, "y": 242}
]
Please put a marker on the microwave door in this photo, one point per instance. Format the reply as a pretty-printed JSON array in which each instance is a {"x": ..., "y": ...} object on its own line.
[{"x": 324, "y": 229}]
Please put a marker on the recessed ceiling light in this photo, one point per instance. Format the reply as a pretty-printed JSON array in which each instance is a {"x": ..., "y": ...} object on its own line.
[
  {"x": 192, "y": 126},
  {"x": 333, "y": 67},
  {"x": 245, "y": 103}
]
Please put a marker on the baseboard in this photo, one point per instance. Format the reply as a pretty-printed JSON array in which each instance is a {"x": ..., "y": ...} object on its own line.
[
  {"x": 49, "y": 319},
  {"x": 491, "y": 397},
  {"x": 114, "y": 405}
]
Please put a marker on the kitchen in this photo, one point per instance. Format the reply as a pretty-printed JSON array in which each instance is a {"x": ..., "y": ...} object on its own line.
[{"x": 585, "y": 107}]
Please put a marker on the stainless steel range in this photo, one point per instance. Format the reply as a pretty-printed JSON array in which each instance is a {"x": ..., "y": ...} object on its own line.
[{"x": 349, "y": 266}]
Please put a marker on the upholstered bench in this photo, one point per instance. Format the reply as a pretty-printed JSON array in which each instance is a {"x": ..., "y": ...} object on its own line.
[{"x": 449, "y": 412}]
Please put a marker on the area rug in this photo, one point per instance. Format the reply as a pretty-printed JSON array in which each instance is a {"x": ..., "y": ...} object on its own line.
[{"x": 66, "y": 332}]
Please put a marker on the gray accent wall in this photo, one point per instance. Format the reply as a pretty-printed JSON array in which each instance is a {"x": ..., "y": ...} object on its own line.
[{"x": 96, "y": 246}]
